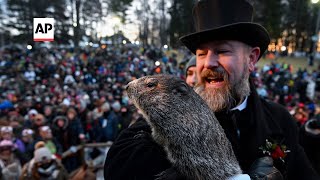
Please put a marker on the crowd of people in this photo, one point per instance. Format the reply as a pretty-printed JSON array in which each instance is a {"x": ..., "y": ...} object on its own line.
[
  {"x": 297, "y": 91},
  {"x": 64, "y": 98},
  {"x": 55, "y": 99}
]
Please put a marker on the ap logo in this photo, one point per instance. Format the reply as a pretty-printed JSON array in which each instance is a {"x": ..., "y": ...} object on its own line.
[{"x": 43, "y": 29}]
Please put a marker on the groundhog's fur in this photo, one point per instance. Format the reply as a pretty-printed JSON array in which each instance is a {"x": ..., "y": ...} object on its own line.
[{"x": 185, "y": 126}]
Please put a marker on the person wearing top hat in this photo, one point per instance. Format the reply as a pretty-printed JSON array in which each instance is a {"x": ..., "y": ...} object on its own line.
[{"x": 264, "y": 136}]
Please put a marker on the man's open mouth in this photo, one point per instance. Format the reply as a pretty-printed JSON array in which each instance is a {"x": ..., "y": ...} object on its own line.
[{"x": 212, "y": 79}]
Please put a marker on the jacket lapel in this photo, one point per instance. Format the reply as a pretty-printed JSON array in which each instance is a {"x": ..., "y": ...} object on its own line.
[{"x": 257, "y": 126}]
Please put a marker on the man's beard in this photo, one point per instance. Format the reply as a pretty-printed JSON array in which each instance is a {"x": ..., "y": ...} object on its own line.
[{"x": 226, "y": 97}]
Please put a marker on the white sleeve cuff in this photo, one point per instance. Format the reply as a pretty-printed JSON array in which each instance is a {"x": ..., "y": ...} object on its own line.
[{"x": 240, "y": 177}]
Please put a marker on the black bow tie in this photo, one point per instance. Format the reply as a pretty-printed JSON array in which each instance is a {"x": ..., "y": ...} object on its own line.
[{"x": 228, "y": 120}]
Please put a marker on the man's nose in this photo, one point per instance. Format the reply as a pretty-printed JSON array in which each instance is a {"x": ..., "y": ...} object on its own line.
[{"x": 211, "y": 60}]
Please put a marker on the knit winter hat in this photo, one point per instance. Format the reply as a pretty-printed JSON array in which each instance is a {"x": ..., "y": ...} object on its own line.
[
  {"x": 27, "y": 132},
  {"x": 6, "y": 129},
  {"x": 192, "y": 62},
  {"x": 33, "y": 112},
  {"x": 42, "y": 154},
  {"x": 6, "y": 143}
]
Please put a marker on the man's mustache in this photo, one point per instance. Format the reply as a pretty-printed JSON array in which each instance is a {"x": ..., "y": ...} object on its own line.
[{"x": 215, "y": 73}]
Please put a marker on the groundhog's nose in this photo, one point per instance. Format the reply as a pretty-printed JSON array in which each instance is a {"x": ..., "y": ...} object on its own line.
[{"x": 128, "y": 86}]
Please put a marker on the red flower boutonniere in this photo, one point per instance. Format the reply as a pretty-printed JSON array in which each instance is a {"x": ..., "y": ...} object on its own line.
[{"x": 275, "y": 150}]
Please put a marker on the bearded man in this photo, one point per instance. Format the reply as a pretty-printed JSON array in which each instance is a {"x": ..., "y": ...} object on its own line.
[{"x": 227, "y": 45}]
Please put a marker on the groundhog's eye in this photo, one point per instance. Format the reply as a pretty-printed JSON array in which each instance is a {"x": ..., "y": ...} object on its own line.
[{"x": 152, "y": 83}]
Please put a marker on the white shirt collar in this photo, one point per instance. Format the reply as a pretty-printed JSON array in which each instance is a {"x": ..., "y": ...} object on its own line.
[{"x": 242, "y": 106}]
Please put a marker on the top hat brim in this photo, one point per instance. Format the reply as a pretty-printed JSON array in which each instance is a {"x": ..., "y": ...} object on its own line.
[{"x": 249, "y": 33}]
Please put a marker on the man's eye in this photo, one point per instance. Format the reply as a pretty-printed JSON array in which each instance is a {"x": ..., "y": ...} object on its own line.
[
  {"x": 201, "y": 54},
  {"x": 222, "y": 51}
]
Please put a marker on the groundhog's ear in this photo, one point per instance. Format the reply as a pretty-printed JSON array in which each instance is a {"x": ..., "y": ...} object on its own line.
[{"x": 181, "y": 88}]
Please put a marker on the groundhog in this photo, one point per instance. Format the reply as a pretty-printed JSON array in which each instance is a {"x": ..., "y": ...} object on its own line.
[{"x": 185, "y": 126}]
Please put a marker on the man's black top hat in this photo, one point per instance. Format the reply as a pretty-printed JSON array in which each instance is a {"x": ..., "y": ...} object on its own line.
[{"x": 225, "y": 20}]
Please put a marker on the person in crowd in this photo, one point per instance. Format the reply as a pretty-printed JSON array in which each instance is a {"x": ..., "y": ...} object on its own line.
[
  {"x": 311, "y": 87},
  {"x": 15, "y": 121},
  {"x": 29, "y": 118},
  {"x": 110, "y": 122},
  {"x": 92, "y": 128},
  {"x": 37, "y": 122},
  {"x": 43, "y": 166},
  {"x": 30, "y": 74},
  {"x": 310, "y": 140},
  {"x": 98, "y": 110},
  {"x": 191, "y": 72},
  {"x": 59, "y": 128},
  {"x": 28, "y": 142},
  {"x": 50, "y": 141},
  {"x": 73, "y": 136},
  {"x": 74, "y": 127},
  {"x": 6, "y": 133},
  {"x": 227, "y": 45},
  {"x": 126, "y": 117},
  {"x": 9, "y": 163},
  {"x": 301, "y": 115},
  {"x": 48, "y": 113}
]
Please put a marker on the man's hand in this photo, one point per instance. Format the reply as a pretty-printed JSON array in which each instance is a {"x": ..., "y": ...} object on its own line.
[{"x": 263, "y": 168}]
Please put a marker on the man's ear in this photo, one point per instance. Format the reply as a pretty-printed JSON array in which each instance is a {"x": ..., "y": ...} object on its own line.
[{"x": 253, "y": 57}]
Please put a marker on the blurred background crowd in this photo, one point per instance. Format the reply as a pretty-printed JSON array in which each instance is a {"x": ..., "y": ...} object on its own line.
[
  {"x": 54, "y": 100},
  {"x": 65, "y": 98}
]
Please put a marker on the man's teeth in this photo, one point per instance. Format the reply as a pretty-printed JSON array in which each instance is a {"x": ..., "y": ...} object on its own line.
[{"x": 213, "y": 79}]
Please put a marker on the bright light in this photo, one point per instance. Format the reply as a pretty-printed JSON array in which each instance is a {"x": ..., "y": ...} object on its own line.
[
  {"x": 29, "y": 47},
  {"x": 74, "y": 24},
  {"x": 116, "y": 20},
  {"x": 157, "y": 63},
  {"x": 314, "y": 1},
  {"x": 124, "y": 42},
  {"x": 86, "y": 43},
  {"x": 90, "y": 43},
  {"x": 165, "y": 46},
  {"x": 283, "y": 48},
  {"x": 137, "y": 42},
  {"x": 99, "y": 35}
]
